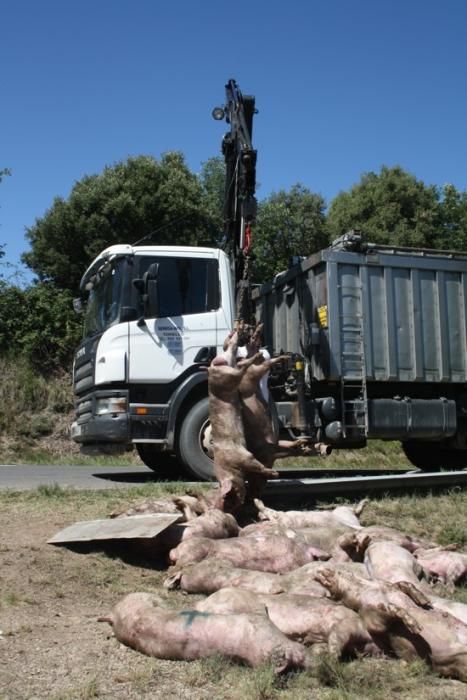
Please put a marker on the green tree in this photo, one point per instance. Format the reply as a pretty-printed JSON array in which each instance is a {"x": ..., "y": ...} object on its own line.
[
  {"x": 11, "y": 314},
  {"x": 391, "y": 207},
  {"x": 212, "y": 179},
  {"x": 289, "y": 223},
  {"x": 453, "y": 214},
  {"x": 160, "y": 201},
  {"x": 38, "y": 324}
]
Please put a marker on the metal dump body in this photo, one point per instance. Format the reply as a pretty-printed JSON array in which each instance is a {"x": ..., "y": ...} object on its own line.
[{"x": 384, "y": 314}]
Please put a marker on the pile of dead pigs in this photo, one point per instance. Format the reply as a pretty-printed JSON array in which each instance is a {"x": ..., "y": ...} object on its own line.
[
  {"x": 295, "y": 584},
  {"x": 289, "y": 584}
]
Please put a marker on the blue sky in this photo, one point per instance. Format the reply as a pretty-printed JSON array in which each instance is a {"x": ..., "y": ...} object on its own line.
[{"x": 342, "y": 87}]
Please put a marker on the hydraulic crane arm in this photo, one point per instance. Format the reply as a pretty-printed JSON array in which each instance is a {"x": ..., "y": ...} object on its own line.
[{"x": 240, "y": 184}]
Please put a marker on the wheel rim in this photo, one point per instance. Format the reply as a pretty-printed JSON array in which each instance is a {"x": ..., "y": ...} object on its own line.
[{"x": 205, "y": 438}]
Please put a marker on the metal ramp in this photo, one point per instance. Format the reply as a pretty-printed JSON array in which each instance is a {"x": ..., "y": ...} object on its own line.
[{"x": 353, "y": 389}]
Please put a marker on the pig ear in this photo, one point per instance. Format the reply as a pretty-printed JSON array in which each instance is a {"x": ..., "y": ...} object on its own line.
[{"x": 226, "y": 487}]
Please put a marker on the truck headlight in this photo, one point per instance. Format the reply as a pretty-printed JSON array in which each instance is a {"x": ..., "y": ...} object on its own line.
[{"x": 110, "y": 405}]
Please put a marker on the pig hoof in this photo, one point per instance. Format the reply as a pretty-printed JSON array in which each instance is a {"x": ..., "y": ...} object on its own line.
[{"x": 173, "y": 581}]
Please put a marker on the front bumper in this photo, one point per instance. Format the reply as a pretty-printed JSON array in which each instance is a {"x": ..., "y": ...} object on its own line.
[
  {"x": 102, "y": 429},
  {"x": 90, "y": 428},
  {"x": 142, "y": 422}
]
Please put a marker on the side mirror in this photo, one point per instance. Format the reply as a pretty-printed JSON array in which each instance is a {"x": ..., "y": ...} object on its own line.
[{"x": 149, "y": 290}]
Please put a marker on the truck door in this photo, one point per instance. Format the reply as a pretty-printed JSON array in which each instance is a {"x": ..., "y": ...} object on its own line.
[{"x": 190, "y": 317}]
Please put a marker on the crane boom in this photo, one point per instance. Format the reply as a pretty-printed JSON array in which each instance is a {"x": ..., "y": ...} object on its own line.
[{"x": 240, "y": 185}]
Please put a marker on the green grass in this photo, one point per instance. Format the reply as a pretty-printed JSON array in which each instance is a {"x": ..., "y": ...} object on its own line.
[
  {"x": 327, "y": 679},
  {"x": 53, "y": 499},
  {"x": 378, "y": 455},
  {"x": 39, "y": 455}
]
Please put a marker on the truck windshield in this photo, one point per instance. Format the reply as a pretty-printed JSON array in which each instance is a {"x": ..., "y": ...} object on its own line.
[{"x": 103, "y": 307}]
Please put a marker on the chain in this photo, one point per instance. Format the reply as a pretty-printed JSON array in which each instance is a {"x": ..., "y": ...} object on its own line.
[{"x": 245, "y": 317}]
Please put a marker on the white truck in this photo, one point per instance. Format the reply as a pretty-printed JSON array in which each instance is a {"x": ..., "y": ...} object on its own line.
[{"x": 140, "y": 372}]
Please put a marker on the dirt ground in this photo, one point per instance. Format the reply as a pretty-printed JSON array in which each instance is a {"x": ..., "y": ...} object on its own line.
[{"x": 51, "y": 645}]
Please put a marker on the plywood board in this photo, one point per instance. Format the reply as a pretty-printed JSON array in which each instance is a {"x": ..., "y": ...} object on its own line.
[{"x": 132, "y": 527}]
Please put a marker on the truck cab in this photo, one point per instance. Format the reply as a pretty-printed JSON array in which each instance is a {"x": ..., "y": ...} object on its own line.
[{"x": 155, "y": 316}]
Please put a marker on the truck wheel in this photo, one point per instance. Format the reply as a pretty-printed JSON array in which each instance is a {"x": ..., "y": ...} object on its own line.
[
  {"x": 430, "y": 457},
  {"x": 164, "y": 463},
  {"x": 193, "y": 442}
]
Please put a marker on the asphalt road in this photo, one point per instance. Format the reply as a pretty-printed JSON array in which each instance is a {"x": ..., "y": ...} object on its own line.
[
  {"x": 293, "y": 485},
  {"x": 22, "y": 478}
]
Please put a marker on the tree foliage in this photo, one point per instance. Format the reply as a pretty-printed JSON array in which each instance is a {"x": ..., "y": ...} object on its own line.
[
  {"x": 38, "y": 324},
  {"x": 212, "y": 180},
  {"x": 289, "y": 223},
  {"x": 453, "y": 215},
  {"x": 390, "y": 207},
  {"x": 134, "y": 199}
]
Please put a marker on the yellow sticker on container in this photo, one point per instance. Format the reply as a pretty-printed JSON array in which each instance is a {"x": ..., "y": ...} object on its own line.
[{"x": 323, "y": 316}]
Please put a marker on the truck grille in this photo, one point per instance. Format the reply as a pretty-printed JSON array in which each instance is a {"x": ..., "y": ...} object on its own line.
[
  {"x": 83, "y": 409},
  {"x": 83, "y": 384},
  {"x": 83, "y": 378}
]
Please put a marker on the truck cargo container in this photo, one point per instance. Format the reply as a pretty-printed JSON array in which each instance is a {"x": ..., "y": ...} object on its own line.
[{"x": 383, "y": 331}]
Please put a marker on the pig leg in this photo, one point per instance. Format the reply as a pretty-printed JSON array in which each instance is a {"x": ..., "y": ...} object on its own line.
[
  {"x": 378, "y": 619},
  {"x": 247, "y": 362},
  {"x": 350, "y": 514},
  {"x": 250, "y": 464},
  {"x": 337, "y": 641},
  {"x": 354, "y": 545},
  {"x": 398, "y": 613},
  {"x": 358, "y": 509},
  {"x": 414, "y": 593},
  {"x": 319, "y": 649}
]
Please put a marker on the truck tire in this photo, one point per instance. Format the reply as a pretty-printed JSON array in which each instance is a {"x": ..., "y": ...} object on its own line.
[
  {"x": 191, "y": 442},
  {"x": 165, "y": 464},
  {"x": 431, "y": 457}
]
